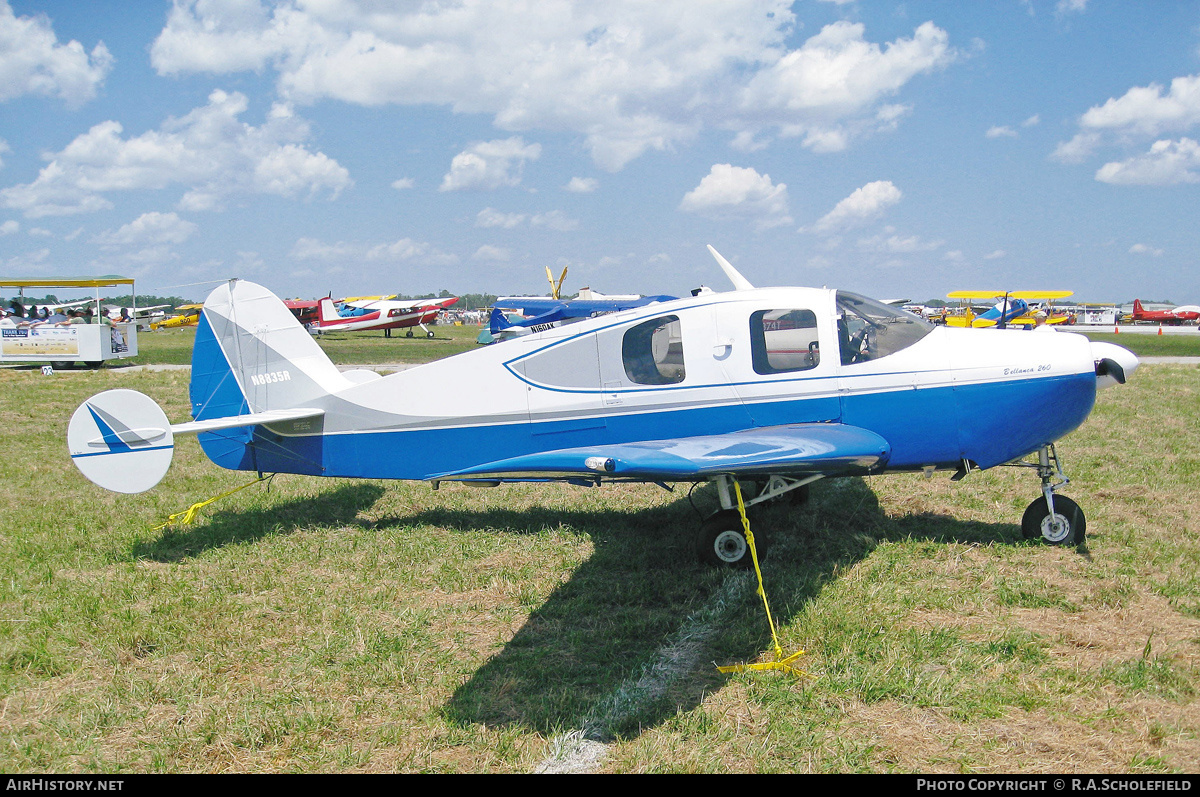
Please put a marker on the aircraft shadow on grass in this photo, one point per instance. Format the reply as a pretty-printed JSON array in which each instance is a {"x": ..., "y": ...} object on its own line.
[
  {"x": 577, "y": 662},
  {"x": 334, "y": 508}
]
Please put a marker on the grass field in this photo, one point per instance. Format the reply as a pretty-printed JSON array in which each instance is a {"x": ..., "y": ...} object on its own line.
[{"x": 361, "y": 626}]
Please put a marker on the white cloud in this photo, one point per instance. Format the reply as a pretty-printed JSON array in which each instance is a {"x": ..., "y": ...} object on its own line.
[
  {"x": 1032, "y": 121},
  {"x": 490, "y": 165},
  {"x": 1147, "y": 110},
  {"x": 403, "y": 183},
  {"x": 147, "y": 229},
  {"x": 627, "y": 75},
  {"x": 1167, "y": 163},
  {"x": 403, "y": 250},
  {"x": 862, "y": 206},
  {"x": 1143, "y": 249},
  {"x": 896, "y": 244},
  {"x": 995, "y": 255},
  {"x": 3, "y": 149},
  {"x": 826, "y": 89},
  {"x": 1070, "y": 6},
  {"x": 729, "y": 191},
  {"x": 1001, "y": 131},
  {"x": 554, "y": 220},
  {"x": 493, "y": 254},
  {"x": 209, "y": 151},
  {"x": 1077, "y": 149},
  {"x": 10, "y": 227},
  {"x": 33, "y": 62},
  {"x": 582, "y": 185},
  {"x": 490, "y": 217}
]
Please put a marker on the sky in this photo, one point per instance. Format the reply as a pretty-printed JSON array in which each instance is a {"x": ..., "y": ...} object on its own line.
[{"x": 897, "y": 149}]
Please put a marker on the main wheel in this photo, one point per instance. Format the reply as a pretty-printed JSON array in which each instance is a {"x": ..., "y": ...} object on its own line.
[
  {"x": 1066, "y": 526},
  {"x": 429, "y": 334},
  {"x": 408, "y": 334},
  {"x": 722, "y": 541}
]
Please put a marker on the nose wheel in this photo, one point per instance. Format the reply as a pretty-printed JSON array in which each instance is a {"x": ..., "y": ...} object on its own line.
[
  {"x": 1065, "y": 524},
  {"x": 1055, "y": 519}
]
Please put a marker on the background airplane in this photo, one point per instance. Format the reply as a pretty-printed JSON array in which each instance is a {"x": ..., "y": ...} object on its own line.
[
  {"x": 541, "y": 313},
  {"x": 361, "y": 314},
  {"x": 1012, "y": 309},
  {"x": 781, "y": 386},
  {"x": 187, "y": 315},
  {"x": 1176, "y": 315}
]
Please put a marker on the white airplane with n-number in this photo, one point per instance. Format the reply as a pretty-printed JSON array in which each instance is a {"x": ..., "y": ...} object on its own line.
[{"x": 779, "y": 386}]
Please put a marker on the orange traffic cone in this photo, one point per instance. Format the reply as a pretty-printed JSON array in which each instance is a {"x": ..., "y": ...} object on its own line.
[
  {"x": 1116, "y": 330},
  {"x": 1160, "y": 329}
]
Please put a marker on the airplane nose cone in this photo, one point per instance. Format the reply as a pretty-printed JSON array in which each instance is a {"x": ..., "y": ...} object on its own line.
[{"x": 1114, "y": 364}]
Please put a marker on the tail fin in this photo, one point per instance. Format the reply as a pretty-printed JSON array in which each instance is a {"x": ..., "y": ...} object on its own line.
[
  {"x": 252, "y": 355},
  {"x": 1137, "y": 307},
  {"x": 498, "y": 321},
  {"x": 326, "y": 311}
]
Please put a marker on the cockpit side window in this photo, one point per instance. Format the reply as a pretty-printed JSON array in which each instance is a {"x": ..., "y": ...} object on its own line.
[
  {"x": 652, "y": 352},
  {"x": 869, "y": 330},
  {"x": 782, "y": 341}
]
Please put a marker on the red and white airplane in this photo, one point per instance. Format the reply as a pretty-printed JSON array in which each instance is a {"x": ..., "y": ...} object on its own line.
[
  {"x": 1176, "y": 315},
  {"x": 385, "y": 314}
]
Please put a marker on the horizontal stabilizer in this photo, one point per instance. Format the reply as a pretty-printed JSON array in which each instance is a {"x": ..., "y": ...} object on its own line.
[
  {"x": 826, "y": 448},
  {"x": 251, "y": 419},
  {"x": 122, "y": 440}
]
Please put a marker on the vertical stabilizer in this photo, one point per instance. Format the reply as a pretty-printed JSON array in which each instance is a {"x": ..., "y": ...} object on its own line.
[{"x": 252, "y": 355}]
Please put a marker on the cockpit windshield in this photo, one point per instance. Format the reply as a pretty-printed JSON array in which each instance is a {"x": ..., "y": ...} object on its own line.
[{"x": 868, "y": 329}]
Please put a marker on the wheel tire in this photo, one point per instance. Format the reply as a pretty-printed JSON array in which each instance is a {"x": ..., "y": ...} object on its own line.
[
  {"x": 408, "y": 334},
  {"x": 722, "y": 541},
  {"x": 429, "y": 334},
  {"x": 1070, "y": 528}
]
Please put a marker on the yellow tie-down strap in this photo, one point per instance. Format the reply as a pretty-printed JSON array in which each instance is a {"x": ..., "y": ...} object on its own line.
[
  {"x": 781, "y": 662},
  {"x": 188, "y": 515}
]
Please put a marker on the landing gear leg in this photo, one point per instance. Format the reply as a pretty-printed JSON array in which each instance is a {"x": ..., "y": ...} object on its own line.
[{"x": 1056, "y": 519}]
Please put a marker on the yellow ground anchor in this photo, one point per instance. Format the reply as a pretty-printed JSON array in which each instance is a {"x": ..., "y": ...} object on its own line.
[
  {"x": 189, "y": 514},
  {"x": 780, "y": 663}
]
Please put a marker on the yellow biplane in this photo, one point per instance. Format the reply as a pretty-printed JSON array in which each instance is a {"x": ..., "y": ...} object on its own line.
[
  {"x": 1011, "y": 309},
  {"x": 189, "y": 316}
]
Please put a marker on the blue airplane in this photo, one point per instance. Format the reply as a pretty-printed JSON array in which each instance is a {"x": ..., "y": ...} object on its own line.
[
  {"x": 542, "y": 313},
  {"x": 780, "y": 386}
]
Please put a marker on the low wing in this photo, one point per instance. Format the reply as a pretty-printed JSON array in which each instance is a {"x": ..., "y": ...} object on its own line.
[{"x": 826, "y": 448}]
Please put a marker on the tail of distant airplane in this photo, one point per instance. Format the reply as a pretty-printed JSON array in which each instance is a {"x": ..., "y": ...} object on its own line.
[
  {"x": 253, "y": 364},
  {"x": 1137, "y": 308},
  {"x": 498, "y": 321},
  {"x": 326, "y": 311}
]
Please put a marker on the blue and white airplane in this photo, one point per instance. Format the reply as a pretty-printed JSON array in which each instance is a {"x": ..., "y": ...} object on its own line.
[
  {"x": 543, "y": 312},
  {"x": 780, "y": 386}
]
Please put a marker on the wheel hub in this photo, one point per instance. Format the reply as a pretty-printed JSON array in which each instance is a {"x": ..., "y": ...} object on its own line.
[
  {"x": 1055, "y": 528},
  {"x": 730, "y": 546}
]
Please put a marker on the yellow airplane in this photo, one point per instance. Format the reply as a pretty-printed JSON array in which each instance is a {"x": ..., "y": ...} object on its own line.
[
  {"x": 189, "y": 316},
  {"x": 1011, "y": 309}
]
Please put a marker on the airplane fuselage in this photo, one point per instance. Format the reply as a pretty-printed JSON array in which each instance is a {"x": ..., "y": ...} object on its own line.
[{"x": 706, "y": 365}]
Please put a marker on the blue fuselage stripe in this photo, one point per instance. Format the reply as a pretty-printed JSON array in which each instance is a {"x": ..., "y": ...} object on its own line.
[{"x": 988, "y": 423}]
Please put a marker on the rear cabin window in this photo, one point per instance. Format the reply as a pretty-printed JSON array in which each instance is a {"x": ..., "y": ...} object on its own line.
[
  {"x": 782, "y": 341},
  {"x": 652, "y": 352}
]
